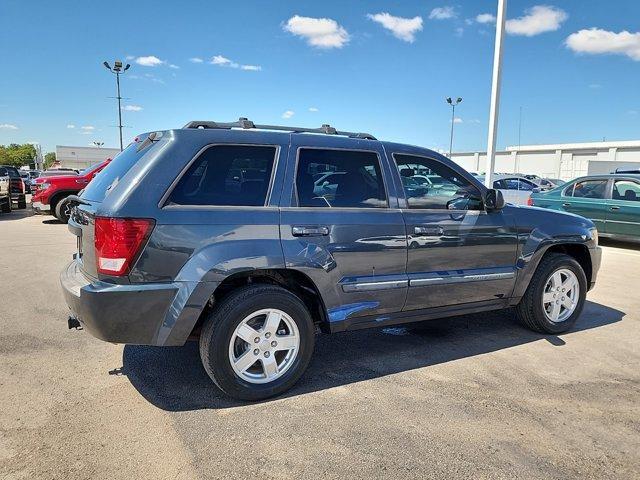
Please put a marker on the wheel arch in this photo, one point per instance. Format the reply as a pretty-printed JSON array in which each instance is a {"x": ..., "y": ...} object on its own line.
[{"x": 290, "y": 279}]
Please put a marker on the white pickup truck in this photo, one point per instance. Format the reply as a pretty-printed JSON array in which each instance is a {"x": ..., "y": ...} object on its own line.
[{"x": 5, "y": 196}]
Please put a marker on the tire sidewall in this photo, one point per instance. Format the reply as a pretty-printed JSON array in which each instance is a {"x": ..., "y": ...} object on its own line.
[
  {"x": 219, "y": 365},
  {"x": 562, "y": 263}
]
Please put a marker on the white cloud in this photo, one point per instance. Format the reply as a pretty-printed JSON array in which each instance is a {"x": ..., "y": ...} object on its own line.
[
  {"x": 318, "y": 32},
  {"x": 175, "y": 67},
  {"x": 457, "y": 120},
  {"x": 71, "y": 125},
  {"x": 288, "y": 114},
  {"x": 596, "y": 41},
  {"x": 87, "y": 129},
  {"x": 594, "y": 85},
  {"x": 313, "y": 109},
  {"x": 129, "y": 57},
  {"x": 402, "y": 28},
  {"x": 8, "y": 126},
  {"x": 149, "y": 61},
  {"x": 196, "y": 60},
  {"x": 223, "y": 61},
  {"x": 459, "y": 31},
  {"x": 132, "y": 108},
  {"x": 442, "y": 13},
  {"x": 486, "y": 18},
  {"x": 220, "y": 60},
  {"x": 537, "y": 19}
]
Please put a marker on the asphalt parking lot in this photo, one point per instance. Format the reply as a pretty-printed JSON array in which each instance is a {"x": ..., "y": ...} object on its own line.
[{"x": 469, "y": 397}]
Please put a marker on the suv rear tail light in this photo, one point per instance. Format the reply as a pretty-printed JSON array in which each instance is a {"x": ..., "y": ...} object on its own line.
[{"x": 118, "y": 242}]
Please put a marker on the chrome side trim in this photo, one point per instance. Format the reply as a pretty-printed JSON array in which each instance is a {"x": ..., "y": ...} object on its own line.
[
  {"x": 371, "y": 286},
  {"x": 419, "y": 282}
]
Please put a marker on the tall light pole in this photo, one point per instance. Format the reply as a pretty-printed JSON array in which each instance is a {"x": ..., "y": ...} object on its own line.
[
  {"x": 118, "y": 70},
  {"x": 453, "y": 119},
  {"x": 495, "y": 94}
]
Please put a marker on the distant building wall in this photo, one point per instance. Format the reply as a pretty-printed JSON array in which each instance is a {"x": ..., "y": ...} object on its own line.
[
  {"x": 82, "y": 157},
  {"x": 564, "y": 161}
]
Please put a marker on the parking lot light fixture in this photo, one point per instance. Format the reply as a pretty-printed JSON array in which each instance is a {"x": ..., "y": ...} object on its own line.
[
  {"x": 453, "y": 104},
  {"x": 118, "y": 70}
]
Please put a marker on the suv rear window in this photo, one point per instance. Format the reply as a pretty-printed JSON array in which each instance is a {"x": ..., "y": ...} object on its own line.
[
  {"x": 227, "y": 175},
  {"x": 108, "y": 178},
  {"x": 339, "y": 178}
]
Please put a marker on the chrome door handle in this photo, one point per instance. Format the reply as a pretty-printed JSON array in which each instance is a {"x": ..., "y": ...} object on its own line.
[
  {"x": 312, "y": 231},
  {"x": 615, "y": 208},
  {"x": 566, "y": 204},
  {"x": 429, "y": 231}
]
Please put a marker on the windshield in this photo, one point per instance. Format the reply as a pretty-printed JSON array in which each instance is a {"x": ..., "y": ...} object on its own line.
[{"x": 90, "y": 169}]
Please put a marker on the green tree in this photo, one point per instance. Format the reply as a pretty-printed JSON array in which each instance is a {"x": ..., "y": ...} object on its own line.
[
  {"x": 17, "y": 155},
  {"x": 49, "y": 159}
]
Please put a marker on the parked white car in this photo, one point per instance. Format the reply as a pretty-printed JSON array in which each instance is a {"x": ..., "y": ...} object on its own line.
[{"x": 516, "y": 190}]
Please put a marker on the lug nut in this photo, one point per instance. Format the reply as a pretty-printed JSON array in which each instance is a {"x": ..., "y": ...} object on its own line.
[
  {"x": 267, "y": 335},
  {"x": 274, "y": 344},
  {"x": 256, "y": 340},
  {"x": 256, "y": 351},
  {"x": 266, "y": 354}
]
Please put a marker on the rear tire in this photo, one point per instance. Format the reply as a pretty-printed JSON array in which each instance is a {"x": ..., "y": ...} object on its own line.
[
  {"x": 22, "y": 202},
  {"x": 63, "y": 210},
  {"x": 555, "y": 297},
  {"x": 6, "y": 207},
  {"x": 257, "y": 342}
]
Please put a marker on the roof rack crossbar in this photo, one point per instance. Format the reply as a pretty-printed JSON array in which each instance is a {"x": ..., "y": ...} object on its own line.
[{"x": 245, "y": 124}]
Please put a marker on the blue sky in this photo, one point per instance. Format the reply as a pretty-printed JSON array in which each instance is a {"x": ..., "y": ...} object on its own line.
[{"x": 573, "y": 67}]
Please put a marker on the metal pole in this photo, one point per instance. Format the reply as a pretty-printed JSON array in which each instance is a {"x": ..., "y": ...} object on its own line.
[
  {"x": 119, "y": 108},
  {"x": 495, "y": 94},
  {"x": 453, "y": 117}
]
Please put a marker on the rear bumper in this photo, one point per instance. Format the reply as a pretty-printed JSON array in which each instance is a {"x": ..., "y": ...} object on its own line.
[
  {"x": 117, "y": 313},
  {"x": 596, "y": 258},
  {"x": 40, "y": 207}
]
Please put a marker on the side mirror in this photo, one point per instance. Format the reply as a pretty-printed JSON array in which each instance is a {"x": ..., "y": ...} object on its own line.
[
  {"x": 493, "y": 199},
  {"x": 537, "y": 190}
]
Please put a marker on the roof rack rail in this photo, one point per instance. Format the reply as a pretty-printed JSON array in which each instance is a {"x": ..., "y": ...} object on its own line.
[{"x": 245, "y": 124}]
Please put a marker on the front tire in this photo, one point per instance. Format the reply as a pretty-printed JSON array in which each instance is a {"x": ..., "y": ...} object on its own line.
[
  {"x": 257, "y": 342},
  {"x": 555, "y": 297},
  {"x": 63, "y": 210}
]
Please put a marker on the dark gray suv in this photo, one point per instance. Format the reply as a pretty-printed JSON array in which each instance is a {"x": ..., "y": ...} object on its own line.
[{"x": 252, "y": 238}]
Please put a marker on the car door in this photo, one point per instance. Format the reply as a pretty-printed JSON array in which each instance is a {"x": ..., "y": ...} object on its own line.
[
  {"x": 623, "y": 209},
  {"x": 459, "y": 253},
  {"x": 346, "y": 233},
  {"x": 586, "y": 197}
]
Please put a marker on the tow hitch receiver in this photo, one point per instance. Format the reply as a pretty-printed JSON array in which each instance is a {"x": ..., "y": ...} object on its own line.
[{"x": 73, "y": 322}]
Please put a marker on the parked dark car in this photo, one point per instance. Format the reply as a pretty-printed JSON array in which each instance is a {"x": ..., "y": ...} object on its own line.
[
  {"x": 169, "y": 249},
  {"x": 17, "y": 187},
  {"x": 612, "y": 202}
]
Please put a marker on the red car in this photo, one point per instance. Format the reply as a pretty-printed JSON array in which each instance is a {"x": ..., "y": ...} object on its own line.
[{"x": 50, "y": 193}]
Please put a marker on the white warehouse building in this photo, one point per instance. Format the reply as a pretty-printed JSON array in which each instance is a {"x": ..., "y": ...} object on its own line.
[
  {"x": 563, "y": 161},
  {"x": 80, "y": 158}
]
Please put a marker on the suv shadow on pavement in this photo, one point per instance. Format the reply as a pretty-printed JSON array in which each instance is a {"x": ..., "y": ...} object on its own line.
[{"x": 173, "y": 379}]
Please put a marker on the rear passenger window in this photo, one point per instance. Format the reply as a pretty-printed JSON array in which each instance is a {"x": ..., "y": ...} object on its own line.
[
  {"x": 626, "y": 190},
  {"x": 588, "y": 189},
  {"x": 227, "y": 175},
  {"x": 339, "y": 178}
]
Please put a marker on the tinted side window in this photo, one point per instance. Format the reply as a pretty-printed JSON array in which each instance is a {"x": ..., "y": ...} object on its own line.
[
  {"x": 436, "y": 185},
  {"x": 626, "y": 190},
  {"x": 588, "y": 189},
  {"x": 339, "y": 178},
  {"x": 525, "y": 185},
  {"x": 227, "y": 175}
]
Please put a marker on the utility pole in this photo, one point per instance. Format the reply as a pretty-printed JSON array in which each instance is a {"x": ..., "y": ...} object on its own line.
[
  {"x": 495, "y": 93},
  {"x": 453, "y": 119},
  {"x": 117, "y": 70}
]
